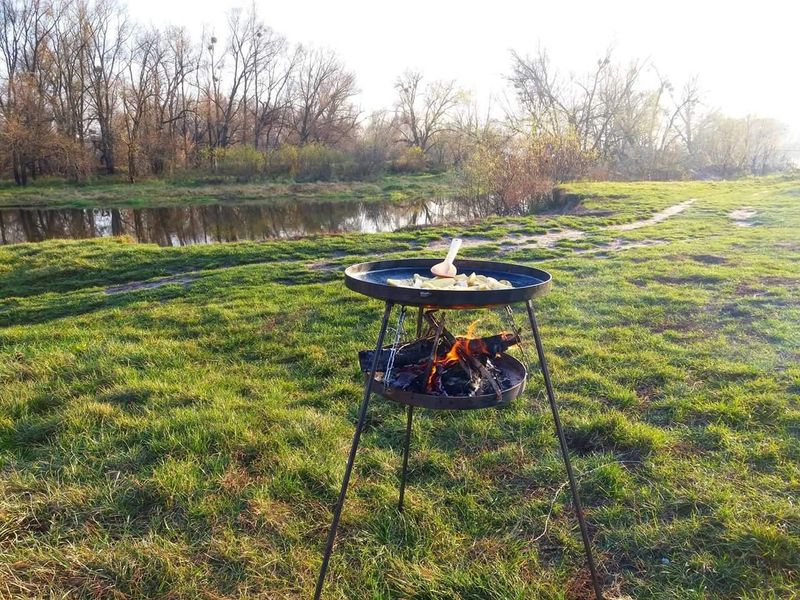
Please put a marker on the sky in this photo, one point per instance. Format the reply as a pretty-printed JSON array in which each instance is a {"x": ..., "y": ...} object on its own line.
[{"x": 745, "y": 54}]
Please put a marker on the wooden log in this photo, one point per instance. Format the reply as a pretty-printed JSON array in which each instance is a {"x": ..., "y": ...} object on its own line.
[
  {"x": 407, "y": 354},
  {"x": 432, "y": 358},
  {"x": 489, "y": 346},
  {"x": 418, "y": 350},
  {"x": 418, "y": 358},
  {"x": 470, "y": 359},
  {"x": 492, "y": 345}
]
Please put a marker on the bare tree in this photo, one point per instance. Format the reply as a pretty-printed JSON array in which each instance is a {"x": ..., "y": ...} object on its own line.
[
  {"x": 323, "y": 93},
  {"x": 108, "y": 35},
  {"x": 68, "y": 73},
  {"x": 728, "y": 147},
  {"x": 25, "y": 31},
  {"x": 272, "y": 89},
  {"x": 766, "y": 140},
  {"x": 685, "y": 116},
  {"x": 422, "y": 114},
  {"x": 138, "y": 93},
  {"x": 174, "y": 104},
  {"x": 245, "y": 33},
  {"x": 375, "y": 144},
  {"x": 588, "y": 108},
  {"x": 230, "y": 79},
  {"x": 469, "y": 127}
]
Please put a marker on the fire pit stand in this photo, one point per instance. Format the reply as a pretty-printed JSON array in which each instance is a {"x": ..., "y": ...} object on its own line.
[{"x": 371, "y": 279}]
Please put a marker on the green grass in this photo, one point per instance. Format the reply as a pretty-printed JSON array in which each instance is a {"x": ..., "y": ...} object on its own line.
[
  {"x": 116, "y": 193},
  {"x": 188, "y": 441}
]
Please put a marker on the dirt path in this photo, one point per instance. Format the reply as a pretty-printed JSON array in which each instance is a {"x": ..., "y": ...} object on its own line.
[
  {"x": 743, "y": 216},
  {"x": 134, "y": 286},
  {"x": 618, "y": 245},
  {"x": 665, "y": 214},
  {"x": 543, "y": 240},
  {"x": 550, "y": 239}
]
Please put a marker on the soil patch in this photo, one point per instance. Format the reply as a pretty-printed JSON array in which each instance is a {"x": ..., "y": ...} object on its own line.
[
  {"x": 466, "y": 242},
  {"x": 326, "y": 266},
  {"x": 135, "y": 286},
  {"x": 709, "y": 259},
  {"x": 742, "y": 216},
  {"x": 618, "y": 245},
  {"x": 668, "y": 212},
  {"x": 550, "y": 239}
]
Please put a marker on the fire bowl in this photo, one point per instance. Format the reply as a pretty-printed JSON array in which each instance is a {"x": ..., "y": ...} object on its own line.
[{"x": 513, "y": 369}]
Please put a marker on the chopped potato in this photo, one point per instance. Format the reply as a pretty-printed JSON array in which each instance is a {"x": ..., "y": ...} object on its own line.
[{"x": 461, "y": 282}]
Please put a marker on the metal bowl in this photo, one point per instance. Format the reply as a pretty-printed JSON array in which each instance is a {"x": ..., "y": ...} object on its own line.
[
  {"x": 513, "y": 368},
  {"x": 370, "y": 279}
]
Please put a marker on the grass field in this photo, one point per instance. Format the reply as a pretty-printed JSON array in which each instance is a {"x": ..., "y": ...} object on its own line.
[
  {"x": 117, "y": 193},
  {"x": 188, "y": 440}
]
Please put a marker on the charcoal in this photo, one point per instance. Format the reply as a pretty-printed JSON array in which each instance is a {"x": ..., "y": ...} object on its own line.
[{"x": 404, "y": 379}]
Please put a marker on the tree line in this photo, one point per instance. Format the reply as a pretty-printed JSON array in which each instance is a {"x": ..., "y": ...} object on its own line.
[{"x": 83, "y": 91}]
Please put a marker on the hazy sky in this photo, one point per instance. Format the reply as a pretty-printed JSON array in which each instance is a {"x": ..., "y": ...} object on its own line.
[{"x": 745, "y": 53}]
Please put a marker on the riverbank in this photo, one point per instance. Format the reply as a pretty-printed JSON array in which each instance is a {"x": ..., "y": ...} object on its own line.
[
  {"x": 176, "y": 420},
  {"x": 116, "y": 193}
]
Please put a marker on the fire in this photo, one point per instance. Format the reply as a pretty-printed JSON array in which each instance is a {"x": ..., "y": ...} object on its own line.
[{"x": 467, "y": 345}]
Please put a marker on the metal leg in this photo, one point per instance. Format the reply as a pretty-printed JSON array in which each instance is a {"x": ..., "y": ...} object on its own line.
[
  {"x": 362, "y": 417},
  {"x": 410, "y": 412},
  {"x": 576, "y": 500},
  {"x": 407, "y": 442}
]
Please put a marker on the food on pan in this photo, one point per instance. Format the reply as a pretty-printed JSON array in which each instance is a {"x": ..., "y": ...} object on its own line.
[{"x": 468, "y": 283}]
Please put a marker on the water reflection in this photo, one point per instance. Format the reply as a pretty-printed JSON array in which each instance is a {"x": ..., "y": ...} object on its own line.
[{"x": 204, "y": 224}]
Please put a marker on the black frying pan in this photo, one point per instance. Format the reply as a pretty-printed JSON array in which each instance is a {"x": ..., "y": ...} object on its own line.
[{"x": 370, "y": 279}]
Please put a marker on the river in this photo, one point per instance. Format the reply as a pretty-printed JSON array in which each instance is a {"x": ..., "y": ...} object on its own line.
[{"x": 227, "y": 222}]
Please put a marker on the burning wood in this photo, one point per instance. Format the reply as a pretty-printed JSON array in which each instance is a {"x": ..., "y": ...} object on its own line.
[
  {"x": 455, "y": 366},
  {"x": 418, "y": 350}
]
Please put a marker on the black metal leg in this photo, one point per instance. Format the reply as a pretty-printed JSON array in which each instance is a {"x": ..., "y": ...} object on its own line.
[
  {"x": 407, "y": 441},
  {"x": 576, "y": 500},
  {"x": 410, "y": 413},
  {"x": 362, "y": 417}
]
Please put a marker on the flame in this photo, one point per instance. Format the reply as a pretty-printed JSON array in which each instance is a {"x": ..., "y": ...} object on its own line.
[{"x": 463, "y": 345}]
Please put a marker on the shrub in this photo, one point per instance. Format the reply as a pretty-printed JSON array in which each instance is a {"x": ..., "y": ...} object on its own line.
[
  {"x": 317, "y": 162},
  {"x": 412, "y": 160},
  {"x": 349, "y": 170},
  {"x": 71, "y": 158},
  {"x": 284, "y": 161},
  {"x": 370, "y": 160},
  {"x": 523, "y": 170},
  {"x": 241, "y": 161},
  {"x": 311, "y": 162}
]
